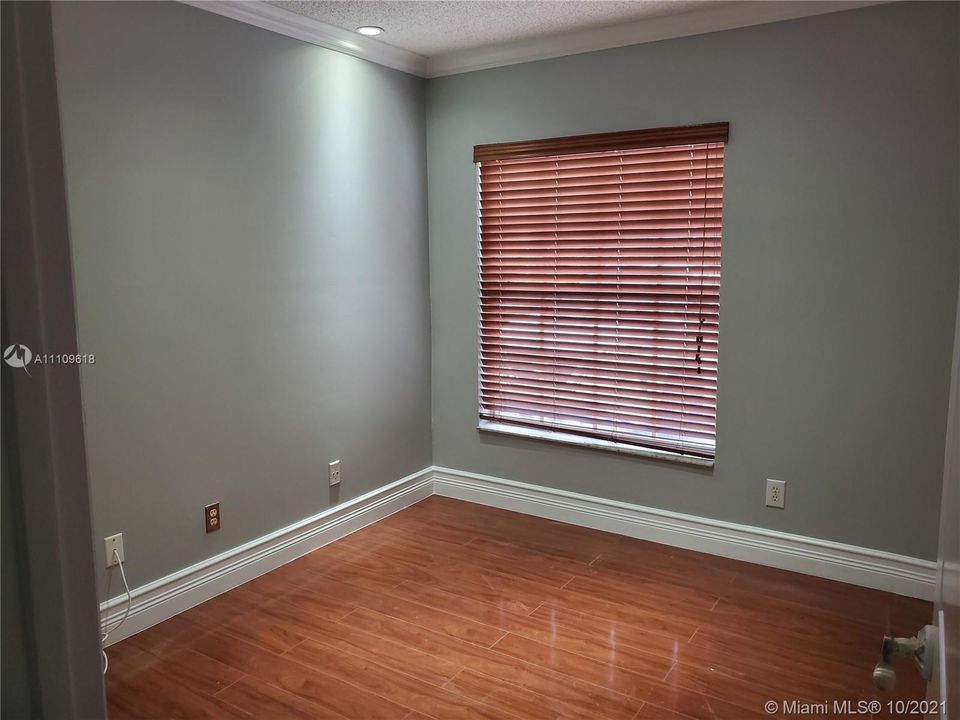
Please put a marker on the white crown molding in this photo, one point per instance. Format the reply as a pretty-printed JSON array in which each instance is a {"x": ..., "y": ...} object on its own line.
[
  {"x": 697, "y": 22},
  {"x": 709, "y": 19},
  {"x": 278, "y": 20},
  {"x": 823, "y": 558}
]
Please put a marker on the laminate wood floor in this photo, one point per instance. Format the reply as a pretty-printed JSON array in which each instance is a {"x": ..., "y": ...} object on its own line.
[{"x": 450, "y": 610}]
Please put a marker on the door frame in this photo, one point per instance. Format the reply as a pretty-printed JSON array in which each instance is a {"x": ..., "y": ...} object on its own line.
[
  {"x": 944, "y": 687},
  {"x": 42, "y": 412}
]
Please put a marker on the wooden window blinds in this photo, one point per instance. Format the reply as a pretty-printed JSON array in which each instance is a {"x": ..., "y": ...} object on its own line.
[{"x": 599, "y": 285}]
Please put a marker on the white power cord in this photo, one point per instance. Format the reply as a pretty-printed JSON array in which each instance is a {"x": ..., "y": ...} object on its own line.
[{"x": 126, "y": 613}]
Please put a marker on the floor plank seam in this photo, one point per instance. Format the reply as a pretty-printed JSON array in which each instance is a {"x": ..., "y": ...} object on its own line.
[
  {"x": 494, "y": 644},
  {"x": 289, "y": 649},
  {"x": 451, "y": 679},
  {"x": 229, "y": 685},
  {"x": 667, "y": 673}
]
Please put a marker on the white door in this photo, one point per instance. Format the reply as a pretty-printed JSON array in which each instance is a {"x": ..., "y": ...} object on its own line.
[{"x": 945, "y": 685}]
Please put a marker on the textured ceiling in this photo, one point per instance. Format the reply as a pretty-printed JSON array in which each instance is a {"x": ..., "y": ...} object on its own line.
[{"x": 434, "y": 27}]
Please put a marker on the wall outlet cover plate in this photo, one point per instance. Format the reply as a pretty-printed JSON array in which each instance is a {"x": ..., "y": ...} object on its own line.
[
  {"x": 211, "y": 517},
  {"x": 111, "y": 543},
  {"x": 776, "y": 493}
]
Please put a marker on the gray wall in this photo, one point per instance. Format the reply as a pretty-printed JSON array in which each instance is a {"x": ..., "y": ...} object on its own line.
[
  {"x": 248, "y": 216},
  {"x": 250, "y": 235},
  {"x": 839, "y": 263}
]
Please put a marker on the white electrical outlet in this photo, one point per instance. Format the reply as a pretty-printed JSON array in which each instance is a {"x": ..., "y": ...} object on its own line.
[
  {"x": 114, "y": 542},
  {"x": 334, "y": 473},
  {"x": 776, "y": 490}
]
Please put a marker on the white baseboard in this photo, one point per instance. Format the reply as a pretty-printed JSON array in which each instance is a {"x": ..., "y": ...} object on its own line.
[
  {"x": 170, "y": 595},
  {"x": 836, "y": 561}
]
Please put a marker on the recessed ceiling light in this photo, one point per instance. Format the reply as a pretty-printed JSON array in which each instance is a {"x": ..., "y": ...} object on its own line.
[{"x": 369, "y": 30}]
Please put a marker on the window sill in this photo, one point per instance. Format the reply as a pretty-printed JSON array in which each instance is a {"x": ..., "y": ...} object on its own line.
[{"x": 593, "y": 443}]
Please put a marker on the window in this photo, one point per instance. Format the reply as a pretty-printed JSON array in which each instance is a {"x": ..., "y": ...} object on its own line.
[{"x": 600, "y": 288}]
